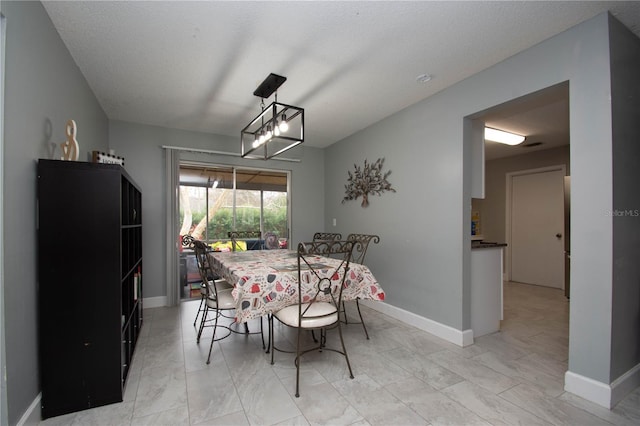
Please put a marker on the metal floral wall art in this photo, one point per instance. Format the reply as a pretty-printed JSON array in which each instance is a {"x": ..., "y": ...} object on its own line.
[{"x": 366, "y": 180}]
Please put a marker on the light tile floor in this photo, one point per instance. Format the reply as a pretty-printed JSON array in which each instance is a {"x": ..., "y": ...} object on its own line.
[{"x": 403, "y": 376}]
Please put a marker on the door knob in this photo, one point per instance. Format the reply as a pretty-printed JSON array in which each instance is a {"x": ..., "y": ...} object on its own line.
[{"x": 558, "y": 235}]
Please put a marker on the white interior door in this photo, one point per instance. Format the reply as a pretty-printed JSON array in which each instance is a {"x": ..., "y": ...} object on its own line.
[{"x": 537, "y": 227}]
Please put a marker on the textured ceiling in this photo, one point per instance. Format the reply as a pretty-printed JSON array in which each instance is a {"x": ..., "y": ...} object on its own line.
[{"x": 195, "y": 65}]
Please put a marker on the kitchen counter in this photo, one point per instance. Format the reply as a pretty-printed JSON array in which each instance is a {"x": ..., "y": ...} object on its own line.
[{"x": 486, "y": 287}]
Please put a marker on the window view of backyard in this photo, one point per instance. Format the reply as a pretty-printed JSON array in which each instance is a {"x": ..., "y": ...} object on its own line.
[{"x": 210, "y": 207}]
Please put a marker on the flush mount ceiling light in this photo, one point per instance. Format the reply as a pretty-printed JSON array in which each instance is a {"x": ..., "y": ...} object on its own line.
[
  {"x": 278, "y": 127},
  {"x": 501, "y": 136},
  {"x": 423, "y": 78}
]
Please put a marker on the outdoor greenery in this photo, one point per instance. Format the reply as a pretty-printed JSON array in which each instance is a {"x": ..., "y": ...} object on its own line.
[
  {"x": 222, "y": 222},
  {"x": 247, "y": 212}
]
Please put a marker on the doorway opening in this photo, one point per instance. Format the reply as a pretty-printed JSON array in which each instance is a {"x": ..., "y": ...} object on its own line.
[{"x": 538, "y": 315}]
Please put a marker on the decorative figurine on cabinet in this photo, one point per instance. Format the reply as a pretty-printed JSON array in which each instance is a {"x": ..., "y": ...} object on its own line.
[{"x": 70, "y": 148}]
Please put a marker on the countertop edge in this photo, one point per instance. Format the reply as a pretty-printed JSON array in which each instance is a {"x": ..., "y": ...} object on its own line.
[{"x": 487, "y": 245}]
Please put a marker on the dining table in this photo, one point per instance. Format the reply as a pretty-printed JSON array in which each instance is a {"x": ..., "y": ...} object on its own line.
[{"x": 265, "y": 281}]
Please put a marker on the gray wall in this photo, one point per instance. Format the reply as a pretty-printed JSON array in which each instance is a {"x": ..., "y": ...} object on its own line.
[
  {"x": 492, "y": 207},
  {"x": 422, "y": 261},
  {"x": 141, "y": 146},
  {"x": 43, "y": 89},
  {"x": 420, "y": 224},
  {"x": 625, "y": 88}
]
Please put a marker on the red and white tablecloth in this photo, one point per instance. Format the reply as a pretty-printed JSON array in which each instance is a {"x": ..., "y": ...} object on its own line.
[{"x": 266, "y": 281}]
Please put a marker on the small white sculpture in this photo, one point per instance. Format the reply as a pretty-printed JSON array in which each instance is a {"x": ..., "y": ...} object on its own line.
[{"x": 70, "y": 148}]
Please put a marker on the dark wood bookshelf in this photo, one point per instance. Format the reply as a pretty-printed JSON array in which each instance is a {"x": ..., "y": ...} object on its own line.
[{"x": 89, "y": 282}]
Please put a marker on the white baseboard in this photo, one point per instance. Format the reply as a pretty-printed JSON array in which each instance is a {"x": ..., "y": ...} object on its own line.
[
  {"x": 600, "y": 393},
  {"x": 625, "y": 384},
  {"x": 450, "y": 334},
  {"x": 154, "y": 302},
  {"x": 33, "y": 415}
]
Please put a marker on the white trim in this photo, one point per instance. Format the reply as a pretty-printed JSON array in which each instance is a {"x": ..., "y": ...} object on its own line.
[
  {"x": 32, "y": 416},
  {"x": 600, "y": 393},
  {"x": 4, "y": 412},
  {"x": 625, "y": 384},
  {"x": 154, "y": 302},
  {"x": 589, "y": 389},
  {"x": 227, "y": 153},
  {"x": 450, "y": 334}
]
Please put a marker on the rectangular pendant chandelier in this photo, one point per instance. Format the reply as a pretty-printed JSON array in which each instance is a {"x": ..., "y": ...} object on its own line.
[{"x": 278, "y": 128}]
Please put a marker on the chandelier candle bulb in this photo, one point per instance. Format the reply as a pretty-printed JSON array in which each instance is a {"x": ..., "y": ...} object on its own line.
[{"x": 283, "y": 125}]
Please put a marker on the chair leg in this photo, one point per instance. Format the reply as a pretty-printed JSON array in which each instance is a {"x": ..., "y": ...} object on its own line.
[
  {"x": 262, "y": 334},
  {"x": 269, "y": 330},
  {"x": 344, "y": 349},
  {"x": 246, "y": 328},
  {"x": 361, "y": 320},
  {"x": 213, "y": 338},
  {"x": 199, "y": 309},
  {"x": 344, "y": 310},
  {"x": 202, "y": 321},
  {"x": 271, "y": 338},
  {"x": 298, "y": 362}
]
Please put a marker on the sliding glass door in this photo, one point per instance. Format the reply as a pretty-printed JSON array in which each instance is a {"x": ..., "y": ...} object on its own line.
[{"x": 217, "y": 199}]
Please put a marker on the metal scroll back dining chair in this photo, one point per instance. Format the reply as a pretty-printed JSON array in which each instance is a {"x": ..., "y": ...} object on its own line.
[
  {"x": 188, "y": 242},
  {"x": 361, "y": 243},
  {"x": 319, "y": 296},
  {"x": 234, "y": 236},
  {"x": 218, "y": 300},
  {"x": 327, "y": 236}
]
